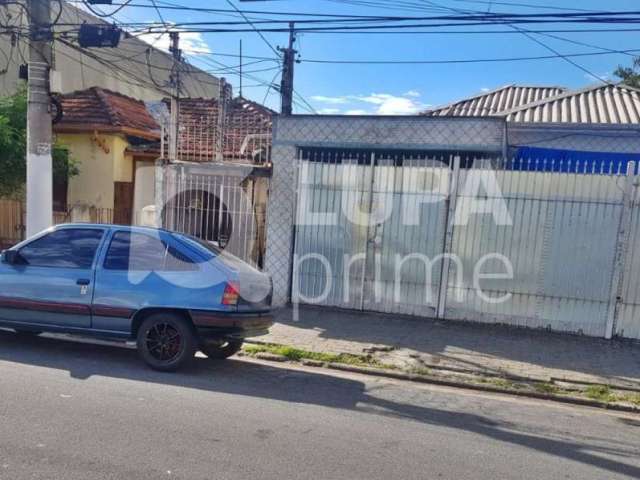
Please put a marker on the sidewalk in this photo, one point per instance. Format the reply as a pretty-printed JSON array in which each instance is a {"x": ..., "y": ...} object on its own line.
[{"x": 487, "y": 349}]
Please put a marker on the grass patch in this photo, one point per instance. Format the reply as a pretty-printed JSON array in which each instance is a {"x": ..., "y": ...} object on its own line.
[
  {"x": 499, "y": 382},
  {"x": 632, "y": 398},
  {"x": 297, "y": 354},
  {"x": 502, "y": 383},
  {"x": 601, "y": 393},
  {"x": 420, "y": 371},
  {"x": 546, "y": 387}
]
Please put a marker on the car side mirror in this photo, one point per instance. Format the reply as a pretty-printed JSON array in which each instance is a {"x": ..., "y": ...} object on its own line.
[{"x": 12, "y": 257}]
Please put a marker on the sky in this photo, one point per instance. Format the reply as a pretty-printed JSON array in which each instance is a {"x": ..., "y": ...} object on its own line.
[{"x": 401, "y": 88}]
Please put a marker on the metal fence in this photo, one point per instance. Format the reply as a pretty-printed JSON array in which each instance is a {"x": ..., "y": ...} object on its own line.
[
  {"x": 226, "y": 209},
  {"x": 529, "y": 242},
  {"x": 13, "y": 219},
  {"x": 226, "y": 130}
]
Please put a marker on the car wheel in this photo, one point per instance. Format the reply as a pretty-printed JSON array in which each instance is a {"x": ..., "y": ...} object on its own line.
[
  {"x": 27, "y": 333},
  {"x": 166, "y": 342},
  {"x": 220, "y": 348}
]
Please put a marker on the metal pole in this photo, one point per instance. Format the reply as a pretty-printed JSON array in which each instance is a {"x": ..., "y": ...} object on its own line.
[
  {"x": 452, "y": 202},
  {"x": 624, "y": 229},
  {"x": 39, "y": 129},
  {"x": 175, "y": 98}
]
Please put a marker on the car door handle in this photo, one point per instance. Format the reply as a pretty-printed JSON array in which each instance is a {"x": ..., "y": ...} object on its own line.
[{"x": 83, "y": 282}]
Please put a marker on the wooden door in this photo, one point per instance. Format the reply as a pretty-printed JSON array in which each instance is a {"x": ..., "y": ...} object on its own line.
[{"x": 122, "y": 202}]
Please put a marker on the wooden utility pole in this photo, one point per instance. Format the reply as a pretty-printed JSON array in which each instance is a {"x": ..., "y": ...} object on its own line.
[
  {"x": 39, "y": 128},
  {"x": 175, "y": 98},
  {"x": 288, "y": 61}
]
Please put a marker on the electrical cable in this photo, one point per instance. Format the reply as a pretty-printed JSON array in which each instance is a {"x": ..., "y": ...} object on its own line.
[{"x": 105, "y": 15}]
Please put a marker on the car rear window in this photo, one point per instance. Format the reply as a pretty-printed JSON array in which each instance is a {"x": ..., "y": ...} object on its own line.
[
  {"x": 133, "y": 251},
  {"x": 207, "y": 249}
]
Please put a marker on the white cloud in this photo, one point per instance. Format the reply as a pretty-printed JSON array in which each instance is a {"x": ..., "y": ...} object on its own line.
[
  {"x": 330, "y": 100},
  {"x": 356, "y": 112},
  {"x": 191, "y": 43},
  {"x": 399, "y": 106},
  {"x": 381, "y": 103},
  {"x": 328, "y": 111},
  {"x": 485, "y": 89}
]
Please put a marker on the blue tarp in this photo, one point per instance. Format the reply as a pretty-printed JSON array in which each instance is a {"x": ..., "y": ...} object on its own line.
[{"x": 571, "y": 161}]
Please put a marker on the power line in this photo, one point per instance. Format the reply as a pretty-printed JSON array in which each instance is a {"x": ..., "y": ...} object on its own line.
[
  {"x": 470, "y": 60},
  {"x": 102, "y": 14},
  {"x": 531, "y": 37},
  {"x": 254, "y": 28}
]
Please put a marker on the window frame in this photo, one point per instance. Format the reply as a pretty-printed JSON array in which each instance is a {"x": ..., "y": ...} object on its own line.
[{"x": 96, "y": 254}]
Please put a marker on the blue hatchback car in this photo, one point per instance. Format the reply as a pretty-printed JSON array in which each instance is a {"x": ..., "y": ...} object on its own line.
[{"x": 172, "y": 293}]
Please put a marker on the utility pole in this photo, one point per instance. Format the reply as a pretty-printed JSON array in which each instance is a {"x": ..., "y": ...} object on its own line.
[
  {"x": 39, "y": 129},
  {"x": 175, "y": 98},
  {"x": 288, "y": 61},
  {"x": 240, "y": 68}
]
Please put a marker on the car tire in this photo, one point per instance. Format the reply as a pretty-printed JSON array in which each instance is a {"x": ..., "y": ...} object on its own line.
[
  {"x": 166, "y": 342},
  {"x": 27, "y": 333},
  {"x": 220, "y": 349}
]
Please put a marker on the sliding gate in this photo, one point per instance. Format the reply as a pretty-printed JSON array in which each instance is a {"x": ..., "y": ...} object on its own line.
[{"x": 370, "y": 229}]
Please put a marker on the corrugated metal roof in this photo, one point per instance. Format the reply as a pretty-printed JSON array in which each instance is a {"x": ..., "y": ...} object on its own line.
[
  {"x": 603, "y": 104},
  {"x": 496, "y": 101}
]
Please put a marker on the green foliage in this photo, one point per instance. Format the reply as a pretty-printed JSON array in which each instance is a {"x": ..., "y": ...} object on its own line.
[
  {"x": 13, "y": 141},
  {"x": 630, "y": 75},
  {"x": 600, "y": 392},
  {"x": 297, "y": 354}
]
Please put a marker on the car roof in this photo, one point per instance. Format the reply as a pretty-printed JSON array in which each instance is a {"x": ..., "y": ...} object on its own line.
[{"x": 133, "y": 228}]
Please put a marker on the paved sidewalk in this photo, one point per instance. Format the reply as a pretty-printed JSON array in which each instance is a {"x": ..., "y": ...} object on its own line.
[{"x": 492, "y": 349}]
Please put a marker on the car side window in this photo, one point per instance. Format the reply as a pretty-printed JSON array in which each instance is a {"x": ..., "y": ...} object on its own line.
[
  {"x": 66, "y": 248},
  {"x": 132, "y": 251}
]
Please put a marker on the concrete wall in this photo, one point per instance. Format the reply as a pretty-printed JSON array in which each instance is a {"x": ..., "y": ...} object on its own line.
[
  {"x": 98, "y": 169},
  {"x": 145, "y": 189},
  {"x": 123, "y": 69}
]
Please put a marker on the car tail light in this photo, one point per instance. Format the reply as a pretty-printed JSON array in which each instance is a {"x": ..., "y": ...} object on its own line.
[{"x": 230, "y": 295}]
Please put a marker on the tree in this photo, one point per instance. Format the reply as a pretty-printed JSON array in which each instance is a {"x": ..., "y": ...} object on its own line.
[
  {"x": 630, "y": 75},
  {"x": 13, "y": 147}
]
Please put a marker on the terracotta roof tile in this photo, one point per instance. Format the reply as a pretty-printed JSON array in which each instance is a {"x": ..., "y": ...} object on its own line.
[{"x": 96, "y": 107}]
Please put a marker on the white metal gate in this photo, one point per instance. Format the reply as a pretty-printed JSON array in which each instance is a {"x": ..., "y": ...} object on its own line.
[
  {"x": 365, "y": 219},
  {"x": 379, "y": 231},
  {"x": 227, "y": 209}
]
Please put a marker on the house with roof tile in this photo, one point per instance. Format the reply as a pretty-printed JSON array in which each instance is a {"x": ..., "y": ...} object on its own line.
[
  {"x": 120, "y": 145},
  {"x": 102, "y": 130}
]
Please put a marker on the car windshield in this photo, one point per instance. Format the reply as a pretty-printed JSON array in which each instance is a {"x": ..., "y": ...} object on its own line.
[{"x": 208, "y": 249}]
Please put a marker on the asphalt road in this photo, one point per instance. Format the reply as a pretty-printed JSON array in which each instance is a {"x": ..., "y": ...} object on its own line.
[{"x": 76, "y": 411}]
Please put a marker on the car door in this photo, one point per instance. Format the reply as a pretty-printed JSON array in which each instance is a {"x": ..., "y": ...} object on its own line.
[{"x": 53, "y": 284}]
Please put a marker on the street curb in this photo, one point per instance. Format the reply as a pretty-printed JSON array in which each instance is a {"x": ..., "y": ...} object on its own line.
[
  {"x": 482, "y": 388},
  {"x": 426, "y": 379}
]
